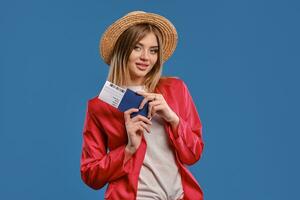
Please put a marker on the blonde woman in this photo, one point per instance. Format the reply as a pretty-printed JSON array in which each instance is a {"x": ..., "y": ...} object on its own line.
[{"x": 142, "y": 157}]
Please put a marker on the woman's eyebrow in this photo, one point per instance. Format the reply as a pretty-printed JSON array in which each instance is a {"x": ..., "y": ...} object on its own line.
[{"x": 150, "y": 47}]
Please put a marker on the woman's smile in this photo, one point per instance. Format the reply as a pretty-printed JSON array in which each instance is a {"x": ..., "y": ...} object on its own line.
[{"x": 142, "y": 66}]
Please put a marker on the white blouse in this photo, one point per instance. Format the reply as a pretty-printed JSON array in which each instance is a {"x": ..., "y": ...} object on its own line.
[{"x": 159, "y": 176}]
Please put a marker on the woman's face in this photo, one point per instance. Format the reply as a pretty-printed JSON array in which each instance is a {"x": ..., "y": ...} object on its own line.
[{"x": 142, "y": 59}]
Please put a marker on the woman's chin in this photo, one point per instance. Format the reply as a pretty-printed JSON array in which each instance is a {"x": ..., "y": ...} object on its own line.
[{"x": 141, "y": 73}]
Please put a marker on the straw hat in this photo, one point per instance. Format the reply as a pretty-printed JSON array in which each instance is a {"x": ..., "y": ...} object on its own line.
[{"x": 112, "y": 33}]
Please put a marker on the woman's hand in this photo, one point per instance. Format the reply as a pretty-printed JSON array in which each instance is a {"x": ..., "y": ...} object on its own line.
[
  {"x": 158, "y": 105},
  {"x": 135, "y": 127}
]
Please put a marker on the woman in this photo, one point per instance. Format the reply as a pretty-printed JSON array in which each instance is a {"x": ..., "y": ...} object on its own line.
[{"x": 142, "y": 157}]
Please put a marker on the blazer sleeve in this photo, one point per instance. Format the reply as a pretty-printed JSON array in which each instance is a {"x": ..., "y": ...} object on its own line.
[
  {"x": 187, "y": 140},
  {"x": 98, "y": 166}
]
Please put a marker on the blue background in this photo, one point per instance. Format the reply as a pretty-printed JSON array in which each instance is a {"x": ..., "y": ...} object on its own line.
[{"x": 240, "y": 60}]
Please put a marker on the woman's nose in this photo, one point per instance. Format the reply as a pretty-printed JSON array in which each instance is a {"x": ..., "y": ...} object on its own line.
[{"x": 145, "y": 55}]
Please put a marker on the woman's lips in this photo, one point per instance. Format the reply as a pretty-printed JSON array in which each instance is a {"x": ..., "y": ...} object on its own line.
[{"x": 142, "y": 66}]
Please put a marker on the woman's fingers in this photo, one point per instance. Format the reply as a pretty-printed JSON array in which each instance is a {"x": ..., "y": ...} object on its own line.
[
  {"x": 138, "y": 123},
  {"x": 148, "y": 97},
  {"x": 141, "y": 118},
  {"x": 145, "y": 100},
  {"x": 140, "y": 127},
  {"x": 150, "y": 108},
  {"x": 155, "y": 109},
  {"x": 144, "y": 126},
  {"x": 128, "y": 112}
]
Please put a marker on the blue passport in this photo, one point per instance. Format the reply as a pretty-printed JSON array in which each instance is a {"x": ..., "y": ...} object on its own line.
[{"x": 122, "y": 98}]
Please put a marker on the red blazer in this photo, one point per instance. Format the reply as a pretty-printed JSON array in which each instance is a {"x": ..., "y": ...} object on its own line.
[{"x": 104, "y": 159}]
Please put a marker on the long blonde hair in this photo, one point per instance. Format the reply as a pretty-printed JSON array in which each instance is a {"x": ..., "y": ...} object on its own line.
[{"x": 119, "y": 72}]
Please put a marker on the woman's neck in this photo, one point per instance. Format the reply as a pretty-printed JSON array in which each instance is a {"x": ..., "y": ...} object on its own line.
[{"x": 136, "y": 81}]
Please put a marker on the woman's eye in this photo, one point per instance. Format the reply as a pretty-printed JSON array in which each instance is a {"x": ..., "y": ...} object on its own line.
[
  {"x": 137, "y": 48},
  {"x": 154, "y": 51}
]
